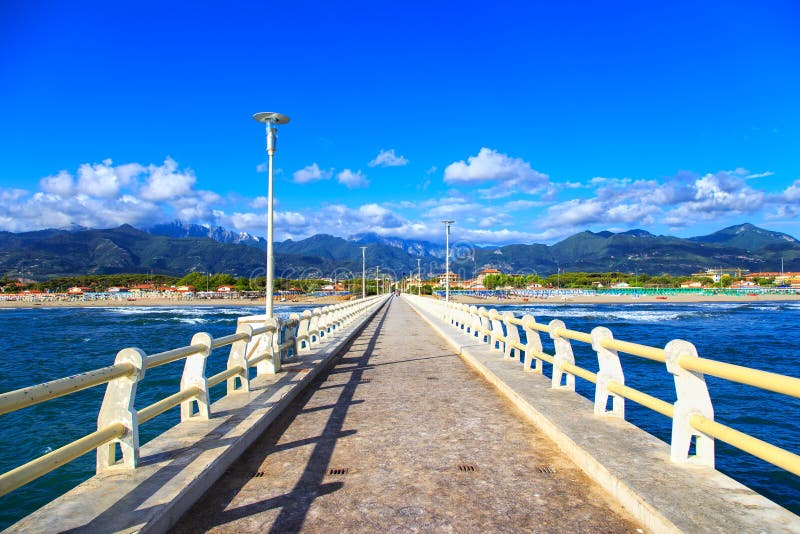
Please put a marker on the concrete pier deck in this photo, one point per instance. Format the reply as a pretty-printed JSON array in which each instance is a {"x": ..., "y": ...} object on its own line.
[{"x": 400, "y": 435}]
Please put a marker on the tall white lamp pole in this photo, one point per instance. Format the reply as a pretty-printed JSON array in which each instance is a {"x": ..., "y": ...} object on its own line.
[
  {"x": 363, "y": 272},
  {"x": 419, "y": 277},
  {"x": 270, "y": 120},
  {"x": 447, "y": 260}
]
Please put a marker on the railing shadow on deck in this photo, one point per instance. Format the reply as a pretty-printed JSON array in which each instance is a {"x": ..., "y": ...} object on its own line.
[
  {"x": 187, "y": 455},
  {"x": 296, "y": 503}
]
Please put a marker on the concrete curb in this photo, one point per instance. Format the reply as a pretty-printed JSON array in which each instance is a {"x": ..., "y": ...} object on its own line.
[
  {"x": 181, "y": 464},
  {"x": 631, "y": 465}
]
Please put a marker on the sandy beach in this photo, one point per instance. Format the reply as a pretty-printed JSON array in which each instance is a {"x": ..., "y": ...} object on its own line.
[
  {"x": 148, "y": 302},
  {"x": 622, "y": 299}
]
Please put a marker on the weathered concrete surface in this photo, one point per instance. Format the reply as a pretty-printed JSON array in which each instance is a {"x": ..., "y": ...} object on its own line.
[
  {"x": 630, "y": 464},
  {"x": 178, "y": 466},
  {"x": 400, "y": 412}
]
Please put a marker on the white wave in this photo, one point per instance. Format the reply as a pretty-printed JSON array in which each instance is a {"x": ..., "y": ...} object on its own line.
[{"x": 191, "y": 321}]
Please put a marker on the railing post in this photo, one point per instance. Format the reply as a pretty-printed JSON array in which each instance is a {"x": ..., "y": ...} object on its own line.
[
  {"x": 496, "y": 329},
  {"x": 313, "y": 327},
  {"x": 238, "y": 357},
  {"x": 194, "y": 375},
  {"x": 512, "y": 337},
  {"x": 563, "y": 354},
  {"x": 693, "y": 398},
  {"x": 533, "y": 344},
  {"x": 118, "y": 407},
  {"x": 610, "y": 369},
  {"x": 272, "y": 364},
  {"x": 290, "y": 332},
  {"x": 303, "y": 340},
  {"x": 484, "y": 322}
]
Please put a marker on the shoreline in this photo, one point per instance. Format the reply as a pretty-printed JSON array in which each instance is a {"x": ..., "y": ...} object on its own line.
[
  {"x": 461, "y": 299},
  {"x": 624, "y": 299},
  {"x": 166, "y": 303}
]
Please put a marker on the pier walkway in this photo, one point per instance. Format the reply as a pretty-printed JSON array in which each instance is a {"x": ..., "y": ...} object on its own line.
[{"x": 400, "y": 435}]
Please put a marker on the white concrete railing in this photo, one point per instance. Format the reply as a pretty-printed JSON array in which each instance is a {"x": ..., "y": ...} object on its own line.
[
  {"x": 692, "y": 413},
  {"x": 258, "y": 342}
]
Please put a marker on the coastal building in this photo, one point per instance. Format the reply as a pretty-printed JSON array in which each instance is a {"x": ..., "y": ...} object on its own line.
[
  {"x": 717, "y": 274},
  {"x": 791, "y": 278},
  {"x": 483, "y": 273},
  {"x": 453, "y": 277},
  {"x": 78, "y": 290}
]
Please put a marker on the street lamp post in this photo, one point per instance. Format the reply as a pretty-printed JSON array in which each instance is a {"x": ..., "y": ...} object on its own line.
[
  {"x": 376, "y": 280},
  {"x": 363, "y": 272},
  {"x": 419, "y": 276},
  {"x": 447, "y": 260},
  {"x": 270, "y": 120}
]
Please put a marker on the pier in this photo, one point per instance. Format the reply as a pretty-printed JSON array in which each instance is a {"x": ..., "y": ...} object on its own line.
[
  {"x": 406, "y": 413},
  {"x": 408, "y": 438}
]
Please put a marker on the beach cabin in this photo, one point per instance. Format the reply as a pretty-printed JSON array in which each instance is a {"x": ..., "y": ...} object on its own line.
[{"x": 78, "y": 290}]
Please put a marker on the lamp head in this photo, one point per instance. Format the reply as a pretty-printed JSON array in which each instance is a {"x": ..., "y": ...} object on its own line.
[{"x": 270, "y": 117}]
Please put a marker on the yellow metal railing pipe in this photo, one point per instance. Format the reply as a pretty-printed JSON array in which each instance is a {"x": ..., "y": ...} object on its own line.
[
  {"x": 544, "y": 356},
  {"x": 262, "y": 356},
  {"x": 224, "y": 375},
  {"x": 579, "y": 371},
  {"x": 651, "y": 353},
  {"x": 639, "y": 397},
  {"x": 162, "y": 358},
  {"x": 758, "y": 448},
  {"x": 263, "y": 329},
  {"x": 227, "y": 340},
  {"x": 573, "y": 334},
  {"x": 157, "y": 408},
  {"x": 22, "y": 398},
  {"x": 44, "y": 464},
  {"x": 778, "y": 383}
]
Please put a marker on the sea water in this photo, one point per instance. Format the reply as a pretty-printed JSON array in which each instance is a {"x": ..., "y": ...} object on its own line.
[{"x": 43, "y": 344}]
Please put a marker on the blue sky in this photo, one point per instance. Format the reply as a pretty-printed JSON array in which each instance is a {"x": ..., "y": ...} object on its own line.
[{"x": 524, "y": 122}]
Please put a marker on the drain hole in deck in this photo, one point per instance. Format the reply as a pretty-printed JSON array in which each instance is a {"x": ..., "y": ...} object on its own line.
[
  {"x": 546, "y": 469},
  {"x": 465, "y": 468},
  {"x": 259, "y": 474},
  {"x": 339, "y": 471},
  {"x": 433, "y": 378},
  {"x": 365, "y": 381}
]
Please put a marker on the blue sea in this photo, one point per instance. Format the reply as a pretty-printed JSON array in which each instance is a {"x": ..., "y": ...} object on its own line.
[{"x": 42, "y": 344}]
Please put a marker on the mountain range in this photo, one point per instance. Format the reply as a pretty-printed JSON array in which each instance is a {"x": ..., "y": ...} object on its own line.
[{"x": 178, "y": 248}]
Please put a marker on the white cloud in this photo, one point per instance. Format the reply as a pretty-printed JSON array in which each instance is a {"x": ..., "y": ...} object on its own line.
[
  {"x": 102, "y": 179},
  {"x": 760, "y": 175},
  {"x": 311, "y": 173},
  {"x": 387, "y": 158},
  {"x": 259, "y": 202},
  {"x": 515, "y": 205},
  {"x": 352, "y": 179},
  {"x": 166, "y": 182},
  {"x": 511, "y": 175},
  {"x": 453, "y": 209},
  {"x": 61, "y": 184},
  {"x": 792, "y": 193}
]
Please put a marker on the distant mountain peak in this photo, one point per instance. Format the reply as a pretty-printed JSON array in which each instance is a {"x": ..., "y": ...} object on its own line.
[
  {"x": 178, "y": 228},
  {"x": 746, "y": 236}
]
